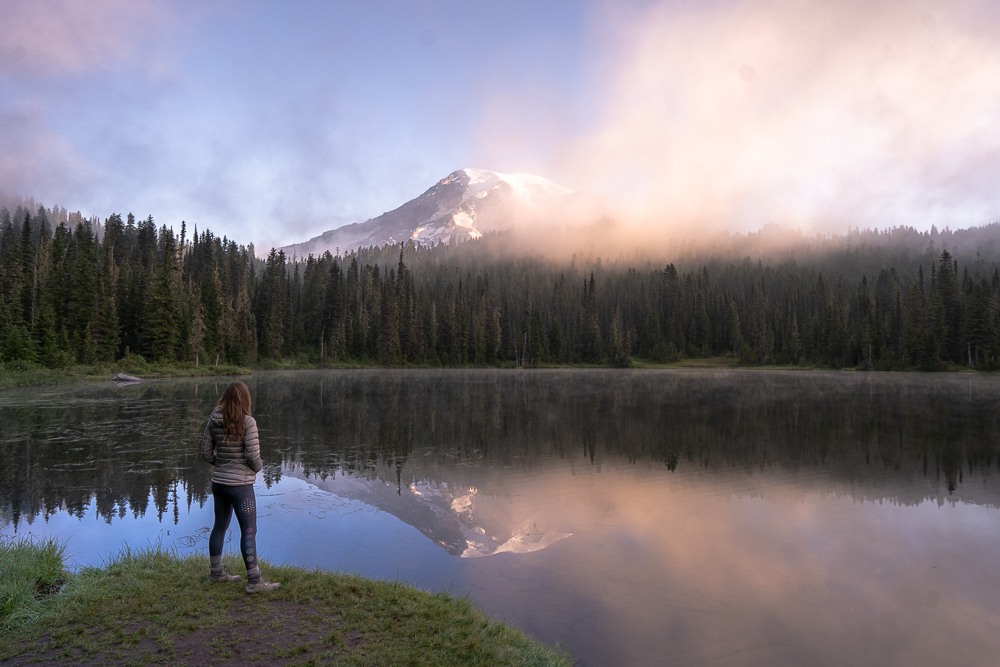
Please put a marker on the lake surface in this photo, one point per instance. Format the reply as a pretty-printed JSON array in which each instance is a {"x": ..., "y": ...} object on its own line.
[{"x": 642, "y": 517}]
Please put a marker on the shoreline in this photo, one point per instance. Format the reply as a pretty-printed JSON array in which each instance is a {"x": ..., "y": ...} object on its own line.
[
  {"x": 154, "y": 607},
  {"x": 30, "y": 375}
]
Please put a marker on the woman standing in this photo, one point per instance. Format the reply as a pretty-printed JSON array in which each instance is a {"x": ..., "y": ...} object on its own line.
[{"x": 230, "y": 444}]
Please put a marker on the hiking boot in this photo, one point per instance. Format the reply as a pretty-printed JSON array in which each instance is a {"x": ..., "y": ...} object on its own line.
[
  {"x": 220, "y": 576},
  {"x": 261, "y": 586}
]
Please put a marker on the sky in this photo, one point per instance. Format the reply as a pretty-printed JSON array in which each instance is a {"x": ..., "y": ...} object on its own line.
[{"x": 272, "y": 122}]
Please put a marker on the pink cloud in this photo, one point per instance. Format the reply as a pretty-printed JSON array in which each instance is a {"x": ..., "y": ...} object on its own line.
[
  {"x": 812, "y": 114},
  {"x": 53, "y": 37}
]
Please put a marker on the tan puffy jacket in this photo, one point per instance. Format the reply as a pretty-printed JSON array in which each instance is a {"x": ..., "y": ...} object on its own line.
[{"x": 236, "y": 463}]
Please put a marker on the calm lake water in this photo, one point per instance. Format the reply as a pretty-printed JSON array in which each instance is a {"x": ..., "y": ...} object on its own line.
[{"x": 636, "y": 517}]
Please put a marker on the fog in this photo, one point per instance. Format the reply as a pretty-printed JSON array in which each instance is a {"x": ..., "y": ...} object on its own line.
[{"x": 815, "y": 116}]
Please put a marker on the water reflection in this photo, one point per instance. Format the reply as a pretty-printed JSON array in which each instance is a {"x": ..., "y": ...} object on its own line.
[
  {"x": 462, "y": 521},
  {"x": 642, "y": 517},
  {"x": 901, "y": 438}
]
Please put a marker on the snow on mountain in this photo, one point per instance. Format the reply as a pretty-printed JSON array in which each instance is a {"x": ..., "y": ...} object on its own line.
[
  {"x": 527, "y": 187},
  {"x": 463, "y": 205}
]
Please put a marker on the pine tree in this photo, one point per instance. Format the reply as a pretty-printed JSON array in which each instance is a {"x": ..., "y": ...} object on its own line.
[
  {"x": 161, "y": 329},
  {"x": 242, "y": 342},
  {"x": 591, "y": 325},
  {"x": 949, "y": 324},
  {"x": 335, "y": 318},
  {"x": 271, "y": 305},
  {"x": 984, "y": 327},
  {"x": 83, "y": 289},
  {"x": 621, "y": 348},
  {"x": 389, "y": 348}
]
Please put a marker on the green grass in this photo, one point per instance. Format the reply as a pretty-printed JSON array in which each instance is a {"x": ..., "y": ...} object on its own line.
[
  {"x": 26, "y": 374},
  {"x": 151, "y": 607},
  {"x": 30, "y": 572}
]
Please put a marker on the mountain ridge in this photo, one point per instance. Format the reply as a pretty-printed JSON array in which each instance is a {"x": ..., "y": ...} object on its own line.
[{"x": 463, "y": 205}]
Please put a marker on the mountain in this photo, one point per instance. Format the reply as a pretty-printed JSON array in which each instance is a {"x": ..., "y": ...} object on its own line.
[{"x": 463, "y": 205}]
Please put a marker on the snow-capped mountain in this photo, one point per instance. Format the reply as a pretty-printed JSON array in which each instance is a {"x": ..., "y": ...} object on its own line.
[{"x": 463, "y": 205}]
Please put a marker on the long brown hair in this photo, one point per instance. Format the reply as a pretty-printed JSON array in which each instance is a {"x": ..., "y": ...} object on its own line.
[{"x": 234, "y": 404}]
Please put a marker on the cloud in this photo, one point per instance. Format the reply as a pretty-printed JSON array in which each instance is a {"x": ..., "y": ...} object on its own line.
[
  {"x": 54, "y": 37},
  {"x": 244, "y": 116},
  {"x": 55, "y": 56},
  {"x": 818, "y": 115}
]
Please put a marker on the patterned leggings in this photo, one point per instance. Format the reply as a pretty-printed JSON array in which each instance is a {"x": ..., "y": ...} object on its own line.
[{"x": 239, "y": 499}]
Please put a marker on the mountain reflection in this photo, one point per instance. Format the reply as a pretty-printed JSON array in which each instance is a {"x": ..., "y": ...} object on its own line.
[
  {"x": 417, "y": 443},
  {"x": 462, "y": 521}
]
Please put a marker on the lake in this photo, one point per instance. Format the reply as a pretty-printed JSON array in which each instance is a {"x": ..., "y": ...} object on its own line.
[{"x": 636, "y": 517}]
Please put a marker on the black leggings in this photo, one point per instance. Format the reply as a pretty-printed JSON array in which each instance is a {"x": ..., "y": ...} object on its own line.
[{"x": 239, "y": 499}]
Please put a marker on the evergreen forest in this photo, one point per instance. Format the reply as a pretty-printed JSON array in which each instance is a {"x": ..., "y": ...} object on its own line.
[{"x": 80, "y": 291}]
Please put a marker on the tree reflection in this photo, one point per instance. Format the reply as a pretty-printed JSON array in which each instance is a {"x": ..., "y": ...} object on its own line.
[
  {"x": 136, "y": 450},
  {"x": 116, "y": 451}
]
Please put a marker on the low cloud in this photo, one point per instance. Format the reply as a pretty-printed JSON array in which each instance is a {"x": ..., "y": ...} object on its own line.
[{"x": 803, "y": 113}]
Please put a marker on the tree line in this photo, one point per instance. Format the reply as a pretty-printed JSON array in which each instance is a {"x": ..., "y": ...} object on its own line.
[{"x": 82, "y": 292}]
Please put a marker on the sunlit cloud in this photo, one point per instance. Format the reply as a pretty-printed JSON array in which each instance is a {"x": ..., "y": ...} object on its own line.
[{"x": 809, "y": 114}]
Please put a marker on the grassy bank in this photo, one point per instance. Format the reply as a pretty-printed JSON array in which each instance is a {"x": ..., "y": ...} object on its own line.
[
  {"x": 152, "y": 607},
  {"x": 23, "y": 374}
]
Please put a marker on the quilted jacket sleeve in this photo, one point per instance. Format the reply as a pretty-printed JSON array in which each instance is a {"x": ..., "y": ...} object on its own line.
[
  {"x": 207, "y": 444},
  {"x": 251, "y": 444}
]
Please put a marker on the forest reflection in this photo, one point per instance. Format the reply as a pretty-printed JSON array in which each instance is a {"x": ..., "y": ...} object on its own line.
[{"x": 133, "y": 450}]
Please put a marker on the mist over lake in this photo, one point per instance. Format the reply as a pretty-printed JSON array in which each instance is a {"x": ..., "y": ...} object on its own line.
[{"x": 640, "y": 517}]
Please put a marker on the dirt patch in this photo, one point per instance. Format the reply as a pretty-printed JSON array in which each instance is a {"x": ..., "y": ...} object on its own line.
[{"x": 276, "y": 632}]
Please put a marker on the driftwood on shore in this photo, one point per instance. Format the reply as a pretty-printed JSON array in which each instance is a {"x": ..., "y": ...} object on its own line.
[{"x": 125, "y": 378}]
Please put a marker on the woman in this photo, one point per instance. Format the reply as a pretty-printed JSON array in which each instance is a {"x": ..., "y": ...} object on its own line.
[{"x": 230, "y": 444}]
